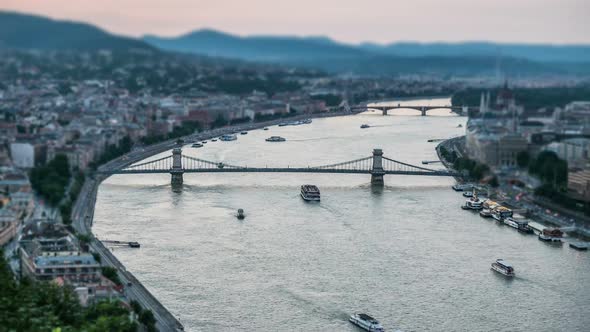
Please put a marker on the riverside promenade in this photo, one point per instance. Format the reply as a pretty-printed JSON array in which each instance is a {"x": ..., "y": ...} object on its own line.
[{"x": 83, "y": 212}]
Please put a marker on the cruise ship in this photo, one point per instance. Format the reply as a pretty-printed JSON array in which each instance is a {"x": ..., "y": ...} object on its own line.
[
  {"x": 310, "y": 192},
  {"x": 366, "y": 322},
  {"x": 503, "y": 267},
  {"x": 551, "y": 235}
]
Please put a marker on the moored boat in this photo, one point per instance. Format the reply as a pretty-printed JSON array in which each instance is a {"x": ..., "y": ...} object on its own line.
[
  {"x": 364, "y": 126},
  {"x": 228, "y": 137},
  {"x": 275, "y": 139},
  {"x": 503, "y": 267},
  {"x": 244, "y": 133},
  {"x": 241, "y": 214},
  {"x": 474, "y": 203},
  {"x": 366, "y": 322},
  {"x": 461, "y": 187},
  {"x": 500, "y": 212},
  {"x": 197, "y": 145},
  {"x": 511, "y": 222},
  {"x": 551, "y": 235},
  {"x": 309, "y": 192},
  {"x": 485, "y": 213}
]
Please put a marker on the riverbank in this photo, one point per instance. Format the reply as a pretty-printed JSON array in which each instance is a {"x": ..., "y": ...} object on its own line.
[
  {"x": 83, "y": 212},
  {"x": 536, "y": 207}
]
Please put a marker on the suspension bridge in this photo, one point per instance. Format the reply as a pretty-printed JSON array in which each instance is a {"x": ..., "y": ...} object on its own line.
[
  {"x": 376, "y": 165},
  {"x": 423, "y": 109}
]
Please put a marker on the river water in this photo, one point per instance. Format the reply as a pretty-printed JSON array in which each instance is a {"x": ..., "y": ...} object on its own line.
[{"x": 406, "y": 254}]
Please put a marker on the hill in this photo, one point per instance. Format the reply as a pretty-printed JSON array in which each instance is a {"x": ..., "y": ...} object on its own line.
[
  {"x": 326, "y": 54},
  {"x": 20, "y": 31}
]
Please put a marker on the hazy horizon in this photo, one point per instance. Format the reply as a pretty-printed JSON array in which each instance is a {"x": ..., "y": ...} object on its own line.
[{"x": 374, "y": 21}]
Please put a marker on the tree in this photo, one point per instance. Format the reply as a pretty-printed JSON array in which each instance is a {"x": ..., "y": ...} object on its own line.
[
  {"x": 110, "y": 273},
  {"x": 523, "y": 159}
]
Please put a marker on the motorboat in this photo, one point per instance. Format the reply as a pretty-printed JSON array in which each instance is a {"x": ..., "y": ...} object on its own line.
[
  {"x": 364, "y": 126},
  {"x": 228, "y": 137},
  {"x": 214, "y": 140},
  {"x": 460, "y": 126},
  {"x": 241, "y": 214},
  {"x": 310, "y": 192},
  {"x": 197, "y": 145},
  {"x": 503, "y": 267},
  {"x": 204, "y": 142},
  {"x": 275, "y": 139},
  {"x": 283, "y": 124},
  {"x": 243, "y": 133},
  {"x": 366, "y": 322},
  {"x": 265, "y": 128}
]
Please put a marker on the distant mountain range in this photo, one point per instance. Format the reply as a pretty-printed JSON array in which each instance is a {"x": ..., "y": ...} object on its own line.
[{"x": 20, "y": 31}]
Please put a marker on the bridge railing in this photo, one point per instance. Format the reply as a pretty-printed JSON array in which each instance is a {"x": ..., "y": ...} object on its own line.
[{"x": 357, "y": 164}]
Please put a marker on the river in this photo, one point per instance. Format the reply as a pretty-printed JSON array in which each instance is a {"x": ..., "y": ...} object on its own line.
[{"x": 406, "y": 254}]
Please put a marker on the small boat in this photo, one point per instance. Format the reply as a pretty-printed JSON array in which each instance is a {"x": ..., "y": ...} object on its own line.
[
  {"x": 306, "y": 121},
  {"x": 468, "y": 194},
  {"x": 364, "y": 126},
  {"x": 503, "y": 267},
  {"x": 310, "y": 192},
  {"x": 366, "y": 322},
  {"x": 197, "y": 145},
  {"x": 460, "y": 126},
  {"x": 228, "y": 137},
  {"x": 265, "y": 128},
  {"x": 551, "y": 235},
  {"x": 243, "y": 133},
  {"x": 204, "y": 142},
  {"x": 214, "y": 140},
  {"x": 275, "y": 139},
  {"x": 283, "y": 124},
  {"x": 500, "y": 212},
  {"x": 241, "y": 214}
]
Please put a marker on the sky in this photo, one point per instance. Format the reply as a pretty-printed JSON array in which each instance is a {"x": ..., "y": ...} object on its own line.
[{"x": 350, "y": 21}]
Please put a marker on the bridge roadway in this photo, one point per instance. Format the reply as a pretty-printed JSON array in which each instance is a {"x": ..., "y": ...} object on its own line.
[{"x": 282, "y": 170}]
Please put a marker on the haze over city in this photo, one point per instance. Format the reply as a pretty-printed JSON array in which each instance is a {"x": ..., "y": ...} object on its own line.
[{"x": 381, "y": 21}]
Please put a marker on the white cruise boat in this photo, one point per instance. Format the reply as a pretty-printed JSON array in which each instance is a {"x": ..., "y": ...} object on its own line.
[
  {"x": 228, "y": 137},
  {"x": 511, "y": 222},
  {"x": 500, "y": 212},
  {"x": 473, "y": 203},
  {"x": 366, "y": 322},
  {"x": 310, "y": 192},
  {"x": 275, "y": 139},
  {"x": 503, "y": 267}
]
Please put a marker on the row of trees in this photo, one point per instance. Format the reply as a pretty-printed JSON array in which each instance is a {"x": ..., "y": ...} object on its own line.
[{"x": 42, "y": 306}]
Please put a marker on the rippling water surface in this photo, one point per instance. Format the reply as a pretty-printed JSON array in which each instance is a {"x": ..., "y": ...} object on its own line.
[{"x": 405, "y": 254}]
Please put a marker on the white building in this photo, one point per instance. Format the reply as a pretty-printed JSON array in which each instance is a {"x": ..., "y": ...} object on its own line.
[{"x": 23, "y": 154}]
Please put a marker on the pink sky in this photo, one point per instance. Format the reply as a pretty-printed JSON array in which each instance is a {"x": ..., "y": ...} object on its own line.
[{"x": 533, "y": 21}]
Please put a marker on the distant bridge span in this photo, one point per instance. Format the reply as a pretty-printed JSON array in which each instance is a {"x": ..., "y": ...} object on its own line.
[
  {"x": 376, "y": 165},
  {"x": 422, "y": 109}
]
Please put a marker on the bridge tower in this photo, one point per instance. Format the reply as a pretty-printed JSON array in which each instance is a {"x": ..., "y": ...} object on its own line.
[
  {"x": 384, "y": 109},
  {"x": 423, "y": 110},
  {"x": 377, "y": 171},
  {"x": 176, "y": 171}
]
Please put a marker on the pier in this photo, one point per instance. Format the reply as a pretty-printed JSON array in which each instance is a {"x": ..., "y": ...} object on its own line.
[{"x": 131, "y": 244}]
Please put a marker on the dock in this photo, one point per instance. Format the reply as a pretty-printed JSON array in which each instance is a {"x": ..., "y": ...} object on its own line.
[
  {"x": 537, "y": 227},
  {"x": 580, "y": 245}
]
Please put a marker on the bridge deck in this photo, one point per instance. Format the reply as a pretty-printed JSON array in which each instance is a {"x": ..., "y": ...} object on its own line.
[{"x": 284, "y": 170}]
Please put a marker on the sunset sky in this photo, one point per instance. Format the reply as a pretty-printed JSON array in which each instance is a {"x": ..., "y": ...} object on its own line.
[{"x": 531, "y": 21}]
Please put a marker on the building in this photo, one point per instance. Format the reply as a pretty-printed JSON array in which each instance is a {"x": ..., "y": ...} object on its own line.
[
  {"x": 23, "y": 154},
  {"x": 578, "y": 184},
  {"x": 8, "y": 226}
]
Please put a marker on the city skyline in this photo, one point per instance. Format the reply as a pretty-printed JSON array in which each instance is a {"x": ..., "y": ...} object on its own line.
[{"x": 379, "y": 21}]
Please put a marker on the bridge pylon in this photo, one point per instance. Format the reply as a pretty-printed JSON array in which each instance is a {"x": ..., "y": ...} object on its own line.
[
  {"x": 377, "y": 171},
  {"x": 176, "y": 171},
  {"x": 423, "y": 111},
  {"x": 384, "y": 111}
]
